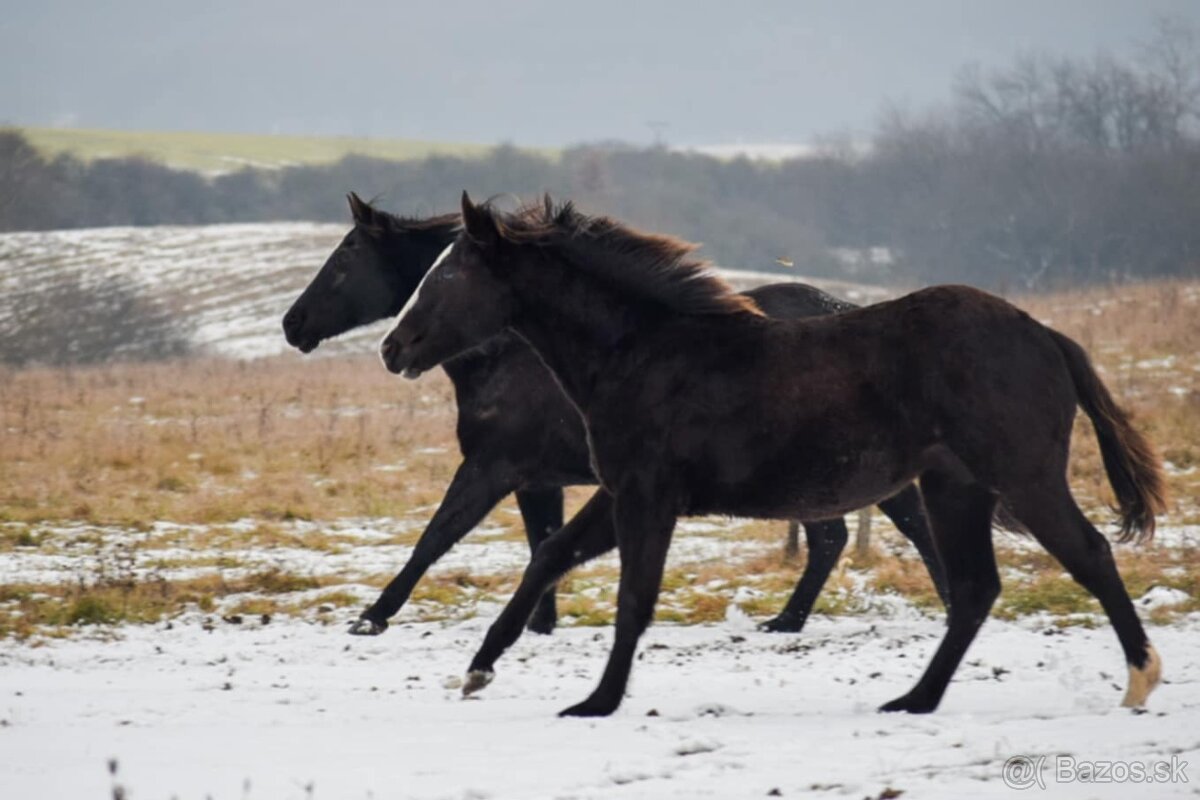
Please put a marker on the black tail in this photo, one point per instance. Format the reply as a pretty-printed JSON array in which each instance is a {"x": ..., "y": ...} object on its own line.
[{"x": 1134, "y": 469}]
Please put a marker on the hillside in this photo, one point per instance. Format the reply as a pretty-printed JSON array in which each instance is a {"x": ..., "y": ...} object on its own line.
[
  {"x": 214, "y": 153},
  {"x": 226, "y": 152},
  {"x": 228, "y": 284}
]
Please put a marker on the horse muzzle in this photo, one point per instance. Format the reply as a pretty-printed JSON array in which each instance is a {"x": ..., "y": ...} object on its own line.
[{"x": 398, "y": 358}]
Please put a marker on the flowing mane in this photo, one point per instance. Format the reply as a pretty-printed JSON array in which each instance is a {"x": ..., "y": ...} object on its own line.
[{"x": 652, "y": 266}]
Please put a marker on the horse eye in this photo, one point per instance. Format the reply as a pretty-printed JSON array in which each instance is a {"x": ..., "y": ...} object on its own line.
[{"x": 339, "y": 277}]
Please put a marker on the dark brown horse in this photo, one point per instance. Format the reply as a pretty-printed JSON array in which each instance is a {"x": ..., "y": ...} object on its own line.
[
  {"x": 697, "y": 403},
  {"x": 516, "y": 430}
]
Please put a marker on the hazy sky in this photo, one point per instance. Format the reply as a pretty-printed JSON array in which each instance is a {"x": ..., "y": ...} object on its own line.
[{"x": 527, "y": 72}]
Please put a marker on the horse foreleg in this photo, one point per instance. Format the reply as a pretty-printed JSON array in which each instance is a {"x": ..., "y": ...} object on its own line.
[
  {"x": 474, "y": 491},
  {"x": 644, "y": 524},
  {"x": 587, "y": 535},
  {"x": 542, "y": 510},
  {"x": 826, "y": 541}
]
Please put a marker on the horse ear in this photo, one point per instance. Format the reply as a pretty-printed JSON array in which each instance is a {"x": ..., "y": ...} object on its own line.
[
  {"x": 479, "y": 223},
  {"x": 360, "y": 209}
]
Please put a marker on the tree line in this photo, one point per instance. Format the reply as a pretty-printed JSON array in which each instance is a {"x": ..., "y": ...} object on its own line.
[{"x": 1048, "y": 172}]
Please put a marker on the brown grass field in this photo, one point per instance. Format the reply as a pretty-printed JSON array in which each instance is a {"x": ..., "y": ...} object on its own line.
[{"x": 87, "y": 454}]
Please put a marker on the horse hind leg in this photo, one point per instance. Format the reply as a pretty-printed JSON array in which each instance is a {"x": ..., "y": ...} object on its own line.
[
  {"x": 907, "y": 513},
  {"x": 1051, "y": 515},
  {"x": 826, "y": 541},
  {"x": 960, "y": 516}
]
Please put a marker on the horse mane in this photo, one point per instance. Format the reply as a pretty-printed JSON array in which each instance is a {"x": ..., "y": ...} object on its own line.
[
  {"x": 652, "y": 266},
  {"x": 385, "y": 222},
  {"x": 441, "y": 224}
]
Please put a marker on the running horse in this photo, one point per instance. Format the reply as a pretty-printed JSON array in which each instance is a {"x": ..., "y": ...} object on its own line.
[{"x": 695, "y": 402}]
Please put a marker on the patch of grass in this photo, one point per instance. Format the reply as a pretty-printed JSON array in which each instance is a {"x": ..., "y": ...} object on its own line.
[
  {"x": 763, "y": 606},
  {"x": 585, "y": 612},
  {"x": 95, "y": 609},
  {"x": 336, "y": 599},
  {"x": 18, "y": 536},
  {"x": 275, "y": 581},
  {"x": 702, "y": 607},
  {"x": 1053, "y": 593},
  {"x": 441, "y": 593},
  {"x": 170, "y": 483},
  {"x": 838, "y": 604},
  {"x": 909, "y": 579},
  {"x": 256, "y": 607},
  {"x": 42, "y": 608}
]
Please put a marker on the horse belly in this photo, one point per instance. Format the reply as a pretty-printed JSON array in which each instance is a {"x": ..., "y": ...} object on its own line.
[{"x": 806, "y": 477}]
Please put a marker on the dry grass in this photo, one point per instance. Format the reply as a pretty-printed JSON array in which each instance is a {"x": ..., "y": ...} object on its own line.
[
  {"x": 110, "y": 599},
  {"x": 1145, "y": 340},
  {"x": 284, "y": 438},
  {"x": 215, "y": 441},
  {"x": 210, "y": 442}
]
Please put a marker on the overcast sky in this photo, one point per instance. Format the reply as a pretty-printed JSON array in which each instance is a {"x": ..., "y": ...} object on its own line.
[{"x": 537, "y": 73}]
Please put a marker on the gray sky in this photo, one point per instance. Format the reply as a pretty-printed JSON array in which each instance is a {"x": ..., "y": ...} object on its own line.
[{"x": 537, "y": 72}]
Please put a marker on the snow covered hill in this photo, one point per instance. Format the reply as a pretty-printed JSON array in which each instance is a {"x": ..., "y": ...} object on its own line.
[{"x": 230, "y": 284}]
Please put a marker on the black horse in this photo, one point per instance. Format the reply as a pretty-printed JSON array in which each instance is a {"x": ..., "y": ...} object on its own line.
[
  {"x": 516, "y": 430},
  {"x": 695, "y": 402}
]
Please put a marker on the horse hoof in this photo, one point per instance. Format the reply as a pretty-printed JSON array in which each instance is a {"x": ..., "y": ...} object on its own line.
[
  {"x": 782, "y": 624},
  {"x": 476, "y": 680},
  {"x": 1143, "y": 680},
  {"x": 909, "y": 704},
  {"x": 542, "y": 626},
  {"x": 590, "y": 708},
  {"x": 367, "y": 627}
]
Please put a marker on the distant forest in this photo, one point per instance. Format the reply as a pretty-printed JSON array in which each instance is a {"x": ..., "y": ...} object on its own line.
[{"x": 1046, "y": 173}]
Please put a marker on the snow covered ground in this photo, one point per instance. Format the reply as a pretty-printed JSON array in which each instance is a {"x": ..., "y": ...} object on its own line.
[{"x": 299, "y": 710}]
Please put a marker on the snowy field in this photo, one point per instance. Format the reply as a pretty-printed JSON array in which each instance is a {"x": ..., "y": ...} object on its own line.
[
  {"x": 216, "y": 705},
  {"x": 231, "y": 284},
  {"x": 298, "y": 710}
]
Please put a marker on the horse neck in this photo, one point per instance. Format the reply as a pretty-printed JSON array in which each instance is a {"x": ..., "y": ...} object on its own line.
[
  {"x": 419, "y": 255},
  {"x": 477, "y": 365},
  {"x": 575, "y": 326}
]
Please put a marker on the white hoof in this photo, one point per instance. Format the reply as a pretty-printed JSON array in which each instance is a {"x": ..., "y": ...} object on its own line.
[
  {"x": 477, "y": 679},
  {"x": 1143, "y": 681}
]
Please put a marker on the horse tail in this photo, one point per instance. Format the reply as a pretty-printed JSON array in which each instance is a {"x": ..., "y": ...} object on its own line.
[{"x": 1134, "y": 469}]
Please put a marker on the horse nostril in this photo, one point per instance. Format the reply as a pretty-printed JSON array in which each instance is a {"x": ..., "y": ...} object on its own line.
[{"x": 293, "y": 320}]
